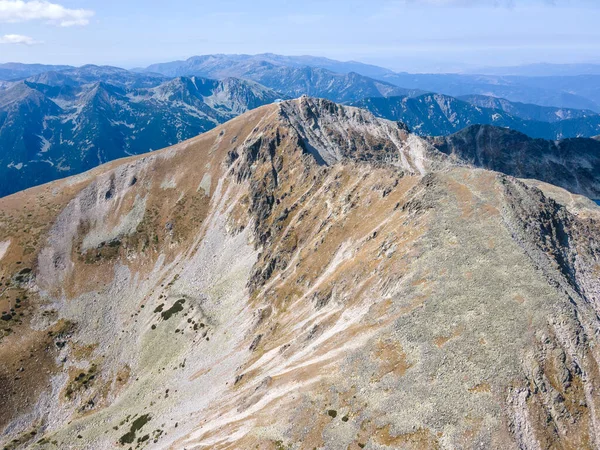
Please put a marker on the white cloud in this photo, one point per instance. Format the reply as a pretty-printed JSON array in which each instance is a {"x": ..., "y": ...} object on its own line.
[
  {"x": 17, "y": 39},
  {"x": 21, "y": 11}
]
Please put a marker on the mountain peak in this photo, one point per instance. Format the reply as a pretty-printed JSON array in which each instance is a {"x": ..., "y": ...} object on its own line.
[{"x": 334, "y": 132}]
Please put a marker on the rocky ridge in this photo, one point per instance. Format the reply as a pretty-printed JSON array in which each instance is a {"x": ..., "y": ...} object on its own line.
[
  {"x": 303, "y": 276},
  {"x": 573, "y": 164}
]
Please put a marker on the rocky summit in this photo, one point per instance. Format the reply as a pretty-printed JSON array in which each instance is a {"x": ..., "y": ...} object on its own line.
[{"x": 304, "y": 276}]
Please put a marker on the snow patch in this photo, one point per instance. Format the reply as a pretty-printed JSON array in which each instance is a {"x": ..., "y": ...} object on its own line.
[
  {"x": 116, "y": 123},
  {"x": 18, "y": 166},
  {"x": 205, "y": 184},
  {"x": 45, "y": 144},
  {"x": 3, "y": 248}
]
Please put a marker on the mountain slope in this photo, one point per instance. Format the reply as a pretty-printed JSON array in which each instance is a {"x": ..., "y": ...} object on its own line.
[
  {"x": 235, "y": 291},
  {"x": 52, "y": 131},
  {"x": 437, "y": 114},
  {"x": 22, "y": 111}
]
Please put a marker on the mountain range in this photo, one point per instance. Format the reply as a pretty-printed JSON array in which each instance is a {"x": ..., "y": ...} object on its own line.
[
  {"x": 437, "y": 114},
  {"x": 218, "y": 66},
  {"x": 307, "y": 275},
  {"x": 541, "y": 70},
  {"x": 527, "y": 111},
  {"x": 293, "y": 76},
  {"x": 62, "y": 120},
  {"x": 563, "y": 86},
  {"x": 49, "y": 131},
  {"x": 17, "y": 71},
  {"x": 563, "y": 91},
  {"x": 578, "y": 92}
]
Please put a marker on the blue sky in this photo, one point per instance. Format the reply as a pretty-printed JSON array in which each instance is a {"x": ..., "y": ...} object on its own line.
[{"x": 431, "y": 35}]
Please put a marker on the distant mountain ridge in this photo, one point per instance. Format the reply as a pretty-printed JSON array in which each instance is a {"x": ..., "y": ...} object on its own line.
[
  {"x": 541, "y": 70},
  {"x": 293, "y": 76},
  {"x": 528, "y": 111},
  {"x": 222, "y": 65},
  {"x": 437, "y": 114},
  {"x": 91, "y": 73},
  {"x": 578, "y": 92},
  {"x": 562, "y": 86},
  {"x": 562, "y": 91},
  {"x": 15, "y": 71},
  {"x": 49, "y": 132}
]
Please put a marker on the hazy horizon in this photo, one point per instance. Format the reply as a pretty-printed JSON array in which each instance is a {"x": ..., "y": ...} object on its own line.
[{"x": 405, "y": 35}]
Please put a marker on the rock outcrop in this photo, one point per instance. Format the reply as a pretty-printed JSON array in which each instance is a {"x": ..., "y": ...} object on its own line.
[{"x": 573, "y": 164}]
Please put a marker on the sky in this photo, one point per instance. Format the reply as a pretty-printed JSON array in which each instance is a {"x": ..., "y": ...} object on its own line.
[{"x": 404, "y": 35}]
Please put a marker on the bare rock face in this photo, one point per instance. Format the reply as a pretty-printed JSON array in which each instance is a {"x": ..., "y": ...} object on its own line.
[
  {"x": 333, "y": 133},
  {"x": 573, "y": 164},
  {"x": 303, "y": 276}
]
